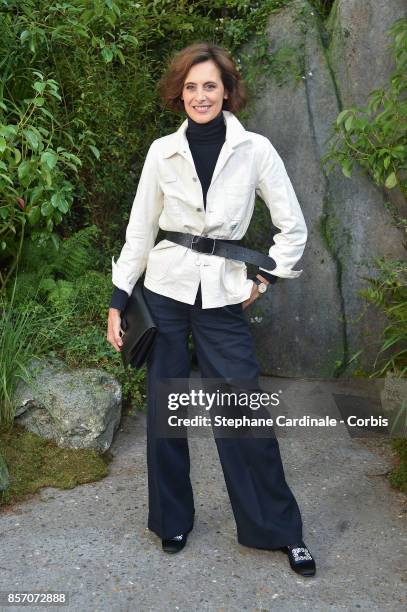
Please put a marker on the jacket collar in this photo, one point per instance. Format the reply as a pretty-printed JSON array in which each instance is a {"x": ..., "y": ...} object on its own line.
[{"x": 177, "y": 142}]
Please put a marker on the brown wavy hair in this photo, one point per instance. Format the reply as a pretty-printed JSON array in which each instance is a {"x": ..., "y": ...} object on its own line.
[{"x": 170, "y": 85}]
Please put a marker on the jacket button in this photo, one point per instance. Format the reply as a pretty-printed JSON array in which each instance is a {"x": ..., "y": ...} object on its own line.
[
  {"x": 199, "y": 209},
  {"x": 194, "y": 178}
]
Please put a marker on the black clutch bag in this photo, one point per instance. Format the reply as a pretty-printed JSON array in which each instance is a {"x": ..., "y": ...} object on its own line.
[{"x": 138, "y": 327}]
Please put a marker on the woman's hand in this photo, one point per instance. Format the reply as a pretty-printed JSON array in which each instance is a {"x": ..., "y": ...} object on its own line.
[
  {"x": 113, "y": 329},
  {"x": 255, "y": 292}
]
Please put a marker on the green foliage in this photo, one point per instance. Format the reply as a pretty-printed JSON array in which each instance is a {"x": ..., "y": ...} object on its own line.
[
  {"x": 76, "y": 253},
  {"x": 375, "y": 136},
  {"x": 389, "y": 293},
  {"x": 26, "y": 330},
  {"x": 34, "y": 168},
  {"x": 64, "y": 285}
]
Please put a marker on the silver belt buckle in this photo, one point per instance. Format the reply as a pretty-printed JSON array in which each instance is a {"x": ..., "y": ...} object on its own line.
[
  {"x": 214, "y": 241},
  {"x": 191, "y": 246}
]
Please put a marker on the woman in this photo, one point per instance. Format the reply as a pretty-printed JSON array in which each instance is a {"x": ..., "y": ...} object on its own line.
[{"x": 201, "y": 181}]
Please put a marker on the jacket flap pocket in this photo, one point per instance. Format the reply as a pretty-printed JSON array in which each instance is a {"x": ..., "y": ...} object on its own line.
[{"x": 169, "y": 178}]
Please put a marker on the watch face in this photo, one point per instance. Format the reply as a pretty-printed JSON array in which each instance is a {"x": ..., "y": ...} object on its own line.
[{"x": 262, "y": 287}]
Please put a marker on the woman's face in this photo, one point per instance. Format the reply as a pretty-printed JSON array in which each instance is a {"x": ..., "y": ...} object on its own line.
[{"x": 203, "y": 92}]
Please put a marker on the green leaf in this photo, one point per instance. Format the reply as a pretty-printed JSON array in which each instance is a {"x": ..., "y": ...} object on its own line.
[
  {"x": 63, "y": 206},
  {"x": 6, "y": 178},
  {"x": 4, "y": 212},
  {"x": 47, "y": 175},
  {"x": 49, "y": 158},
  {"x": 341, "y": 117},
  {"x": 43, "y": 131},
  {"x": 46, "y": 112},
  {"x": 55, "y": 240},
  {"x": 36, "y": 193},
  {"x": 8, "y": 130},
  {"x": 3, "y": 144},
  {"x": 55, "y": 199},
  {"x": 24, "y": 170},
  {"x": 107, "y": 54},
  {"x": 32, "y": 139},
  {"x": 39, "y": 86},
  {"x": 121, "y": 57},
  {"x": 72, "y": 157},
  {"x": 349, "y": 122},
  {"x": 95, "y": 151},
  {"x": 34, "y": 215},
  {"x": 347, "y": 168},
  {"x": 39, "y": 101},
  {"x": 46, "y": 209},
  {"x": 391, "y": 181}
]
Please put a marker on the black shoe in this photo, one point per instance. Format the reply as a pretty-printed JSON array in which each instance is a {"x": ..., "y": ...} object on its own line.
[
  {"x": 300, "y": 559},
  {"x": 175, "y": 544}
]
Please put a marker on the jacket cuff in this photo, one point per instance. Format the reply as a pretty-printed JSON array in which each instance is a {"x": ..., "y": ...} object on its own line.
[
  {"x": 270, "y": 277},
  {"x": 119, "y": 299}
]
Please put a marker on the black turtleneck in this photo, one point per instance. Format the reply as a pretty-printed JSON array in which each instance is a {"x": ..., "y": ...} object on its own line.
[{"x": 205, "y": 142}]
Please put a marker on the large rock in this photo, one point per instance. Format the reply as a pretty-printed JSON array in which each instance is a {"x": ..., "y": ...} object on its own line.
[
  {"x": 78, "y": 408},
  {"x": 347, "y": 221},
  {"x": 359, "y": 51},
  {"x": 4, "y": 475}
]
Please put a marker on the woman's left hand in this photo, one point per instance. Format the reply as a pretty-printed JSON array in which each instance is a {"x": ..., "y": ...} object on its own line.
[{"x": 255, "y": 292}]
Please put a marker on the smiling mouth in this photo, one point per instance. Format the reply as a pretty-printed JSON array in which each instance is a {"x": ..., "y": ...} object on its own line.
[{"x": 203, "y": 106}]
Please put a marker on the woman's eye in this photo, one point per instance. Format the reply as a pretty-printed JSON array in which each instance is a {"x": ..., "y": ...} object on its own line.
[{"x": 189, "y": 87}]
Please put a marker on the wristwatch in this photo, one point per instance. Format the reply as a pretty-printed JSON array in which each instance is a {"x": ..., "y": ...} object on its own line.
[{"x": 262, "y": 287}]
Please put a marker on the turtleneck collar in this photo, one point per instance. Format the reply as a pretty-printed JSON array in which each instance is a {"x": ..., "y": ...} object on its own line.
[{"x": 212, "y": 131}]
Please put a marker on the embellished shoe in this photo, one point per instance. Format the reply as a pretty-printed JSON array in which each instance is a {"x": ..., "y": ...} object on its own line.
[
  {"x": 300, "y": 559},
  {"x": 175, "y": 544}
]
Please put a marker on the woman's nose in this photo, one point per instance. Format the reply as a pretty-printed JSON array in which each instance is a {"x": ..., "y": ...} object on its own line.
[{"x": 201, "y": 96}]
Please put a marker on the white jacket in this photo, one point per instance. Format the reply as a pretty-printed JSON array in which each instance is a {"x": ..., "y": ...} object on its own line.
[{"x": 169, "y": 196}]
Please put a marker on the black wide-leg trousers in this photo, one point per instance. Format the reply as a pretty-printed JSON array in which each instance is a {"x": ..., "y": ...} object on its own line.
[{"x": 265, "y": 510}]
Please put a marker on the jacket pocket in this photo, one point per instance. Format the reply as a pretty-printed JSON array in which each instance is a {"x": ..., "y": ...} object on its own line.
[
  {"x": 236, "y": 200},
  {"x": 161, "y": 260},
  {"x": 234, "y": 276},
  {"x": 169, "y": 178},
  {"x": 171, "y": 188}
]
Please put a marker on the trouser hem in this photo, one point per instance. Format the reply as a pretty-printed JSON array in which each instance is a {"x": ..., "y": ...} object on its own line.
[
  {"x": 165, "y": 536},
  {"x": 270, "y": 544}
]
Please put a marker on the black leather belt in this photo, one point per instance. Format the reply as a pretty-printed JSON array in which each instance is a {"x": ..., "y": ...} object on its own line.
[{"x": 231, "y": 249}]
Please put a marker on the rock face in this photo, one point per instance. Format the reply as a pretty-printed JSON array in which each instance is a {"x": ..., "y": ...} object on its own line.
[
  {"x": 358, "y": 52},
  {"x": 4, "y": 475},
  {"x": 75, "y": 408},
  {"x": 314, "y": 323}
]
